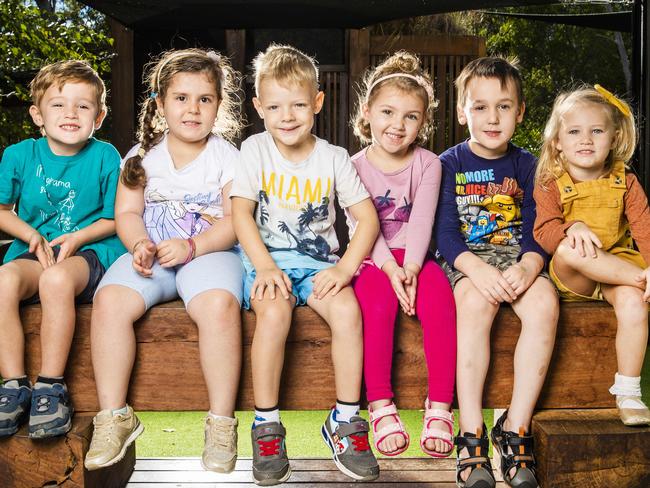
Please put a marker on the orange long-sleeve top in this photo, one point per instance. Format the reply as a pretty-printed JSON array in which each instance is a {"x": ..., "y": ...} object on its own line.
[{"x": 550, "y": 226}]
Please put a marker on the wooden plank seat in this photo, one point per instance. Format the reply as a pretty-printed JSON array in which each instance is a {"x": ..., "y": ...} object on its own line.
[{"x": 581, "y": 371}]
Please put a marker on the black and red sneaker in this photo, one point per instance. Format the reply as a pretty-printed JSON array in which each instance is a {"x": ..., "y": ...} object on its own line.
[
  {"x": 270, "y": 461},
  {"x": 351, "y": 449}
]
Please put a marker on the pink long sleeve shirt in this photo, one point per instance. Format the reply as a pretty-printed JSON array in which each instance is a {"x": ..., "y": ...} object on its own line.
[{"x": 406, "y": 202}]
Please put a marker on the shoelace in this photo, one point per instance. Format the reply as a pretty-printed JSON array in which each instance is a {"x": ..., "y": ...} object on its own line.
[
  {"x": 221, "y": 435},
  {"x": 360, "y": 442},
  {"x": 104, "y": 431},
  {"x": 269, "y": 448}
]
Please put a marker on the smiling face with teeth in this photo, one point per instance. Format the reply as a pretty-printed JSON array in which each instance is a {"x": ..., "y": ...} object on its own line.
[
  {"x": 395, "y": 117},
  {"x": 68, "y": 115}
]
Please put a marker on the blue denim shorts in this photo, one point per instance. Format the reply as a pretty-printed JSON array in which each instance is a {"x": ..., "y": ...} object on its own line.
[{"x": 301, "y": 281}]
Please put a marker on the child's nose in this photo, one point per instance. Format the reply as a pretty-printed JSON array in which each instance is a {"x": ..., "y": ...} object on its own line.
[
  {"x": 287, "y": 113},
  {"x": 493, "y": 116}
]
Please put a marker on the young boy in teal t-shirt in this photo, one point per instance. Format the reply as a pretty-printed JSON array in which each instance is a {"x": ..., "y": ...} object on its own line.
[{"x": 57, "y": 195}]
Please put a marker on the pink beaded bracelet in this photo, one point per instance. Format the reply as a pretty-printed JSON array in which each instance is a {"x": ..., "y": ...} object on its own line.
[{"x": 192, "y": 252}]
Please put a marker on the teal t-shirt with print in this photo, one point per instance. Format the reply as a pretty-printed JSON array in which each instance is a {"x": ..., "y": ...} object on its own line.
[{"x": 61, "y": 194}]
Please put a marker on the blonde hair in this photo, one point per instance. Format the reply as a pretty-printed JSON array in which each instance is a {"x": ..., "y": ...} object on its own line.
[
  {"x": 285, "y": 64},
  {"x": 402, "y": 62},
  {"x": 552, "y": 163},
  {"x": 62, "y": 72},
  {"x": 504, "y": 70},
  {"x": 159, "y": 74}
]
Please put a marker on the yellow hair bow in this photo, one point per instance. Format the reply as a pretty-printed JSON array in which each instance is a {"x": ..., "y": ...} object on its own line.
[{"x": 611, "y": 98}]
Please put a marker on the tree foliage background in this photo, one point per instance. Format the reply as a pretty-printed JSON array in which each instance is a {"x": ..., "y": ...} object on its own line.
[
  {"x": 35, "y": 34},
  {"x": 552, "y": 57}
]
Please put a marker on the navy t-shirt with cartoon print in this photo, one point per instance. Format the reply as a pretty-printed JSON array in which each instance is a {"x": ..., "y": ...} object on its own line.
[{"x": 486, "y": 201}]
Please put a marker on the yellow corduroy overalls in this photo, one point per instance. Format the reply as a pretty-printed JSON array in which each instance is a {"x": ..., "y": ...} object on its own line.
[{"x": 600, "y": 205}]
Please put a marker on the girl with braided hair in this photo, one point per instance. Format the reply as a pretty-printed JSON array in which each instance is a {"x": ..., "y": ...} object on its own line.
[{"x": 172, "y": 213}]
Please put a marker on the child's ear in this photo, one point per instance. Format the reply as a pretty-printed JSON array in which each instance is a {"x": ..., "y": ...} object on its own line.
[
  {"x": 520, "y": 114},
  {"x": 460, "y": 113},
  {"x": 159, "y": 106},
  {"x": 100, "y": 119},
  {"x": 258, "y": 106},
  {"x": 365, "y": 111},
  {"x": 318, "y": 102},
  {"x": 36, "y": 116}
]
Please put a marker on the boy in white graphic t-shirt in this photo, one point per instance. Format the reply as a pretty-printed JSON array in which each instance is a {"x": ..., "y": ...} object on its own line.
[{"x": 283, "y": 214}]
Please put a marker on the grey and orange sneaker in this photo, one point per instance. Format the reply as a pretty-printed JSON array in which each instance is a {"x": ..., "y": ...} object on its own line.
[
  {"x": 51, "y": 412},
  {"x": 220, "y": 450},
  {"x": 14, "y": 406},
  {"x": 270, "y": 461},
  {"x": 351, "y": 449},
  {"x": 112, "y": 436}
]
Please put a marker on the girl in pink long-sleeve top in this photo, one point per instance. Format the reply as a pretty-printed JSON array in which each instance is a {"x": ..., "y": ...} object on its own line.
[{"x": 395, "y": 113}]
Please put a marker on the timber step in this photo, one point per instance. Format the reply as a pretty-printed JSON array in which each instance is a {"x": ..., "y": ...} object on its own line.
[
  {"x": 306, "y": 473},
  {"x": 25, "y": 463},
  {"x": 582, "y": 368},
  {"x": 578, "y": 448}
]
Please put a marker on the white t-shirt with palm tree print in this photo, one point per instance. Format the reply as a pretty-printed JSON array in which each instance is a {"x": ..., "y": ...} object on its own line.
[{"x": 295, "y": 201}]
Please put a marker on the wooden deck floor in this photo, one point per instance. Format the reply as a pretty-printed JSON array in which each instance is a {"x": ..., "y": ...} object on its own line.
[{"x": 320, "y": 473}]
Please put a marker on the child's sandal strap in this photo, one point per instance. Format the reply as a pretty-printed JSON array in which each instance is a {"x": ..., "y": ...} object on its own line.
[
  {"x": 382, "y": 412},
  {"x": 396, "y": 427}
]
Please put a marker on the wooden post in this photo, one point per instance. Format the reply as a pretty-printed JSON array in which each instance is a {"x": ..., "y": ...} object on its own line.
[
  {"x": 122, "y": 97},
  {"x": 358, "y": 49},
  {"x": 577, "y": 448},
  {"x": 641, "y": 82}
]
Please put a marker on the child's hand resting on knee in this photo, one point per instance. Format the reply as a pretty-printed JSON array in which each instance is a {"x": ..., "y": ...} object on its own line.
[
  {"x": 270, "y": 277},
  {"x": 69, "y": 243},
  {"x": 144, "y": 253},
  {"x": 644, "y": 276},
  {"x": 332, "y": 279},
  {"x": 41, "y": 248},
  {"x": 580, "y": 237},
  {"x": 492, "y": 284}
]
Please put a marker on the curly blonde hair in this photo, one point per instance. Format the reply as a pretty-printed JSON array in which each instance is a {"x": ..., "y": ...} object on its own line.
[
  {"x": 402, "y": 62},
  {"x": 285, "y": 64},
  {"x": 552, "y": 163},
  {"x": 159, "y": 74}
]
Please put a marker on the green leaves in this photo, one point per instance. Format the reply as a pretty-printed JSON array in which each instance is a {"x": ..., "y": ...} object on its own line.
[{"x": 31, "y": 38}]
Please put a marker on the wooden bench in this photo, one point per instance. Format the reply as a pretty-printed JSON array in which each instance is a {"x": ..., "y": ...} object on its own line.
[{"x": 581, "y": 372}]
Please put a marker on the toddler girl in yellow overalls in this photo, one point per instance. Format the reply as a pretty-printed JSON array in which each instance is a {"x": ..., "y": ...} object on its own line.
[{"x": 590, "y": 213}]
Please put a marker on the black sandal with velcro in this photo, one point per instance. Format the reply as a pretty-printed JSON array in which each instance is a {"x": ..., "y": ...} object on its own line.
[
  {"x": 515, "y": 451},
  {"x": 477, "y": 460}
]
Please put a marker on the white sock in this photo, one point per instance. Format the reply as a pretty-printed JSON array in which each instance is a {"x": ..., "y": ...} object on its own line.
[
  {"x": 627, "y": 386},
  {"x": 343, "y": 413},
  {"x": 264, "y": 416},
  {"x": 217, "y": 417},
  {"x": 120, "y": 411}
]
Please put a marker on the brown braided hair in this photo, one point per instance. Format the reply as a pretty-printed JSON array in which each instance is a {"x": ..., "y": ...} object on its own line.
[{"x": 158, "y": 75}]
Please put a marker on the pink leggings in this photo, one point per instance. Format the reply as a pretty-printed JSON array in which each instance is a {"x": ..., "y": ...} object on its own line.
[{"x": 434, "y": 306}]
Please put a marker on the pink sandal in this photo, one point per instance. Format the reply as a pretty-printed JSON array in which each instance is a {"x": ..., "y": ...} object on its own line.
[
  {"x": 434, "y": 414},
  {"x": 396, "y": 427}
]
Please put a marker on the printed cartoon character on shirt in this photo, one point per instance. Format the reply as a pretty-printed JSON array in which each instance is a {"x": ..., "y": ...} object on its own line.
[{"x": 494, "y": 218}]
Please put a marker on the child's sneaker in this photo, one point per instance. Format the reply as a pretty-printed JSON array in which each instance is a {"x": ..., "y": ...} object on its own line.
[
  {"x": 350, "y": 448},
  {"x": 14, "y": 405},
  {"x": 112, "y": 436},
  {"x": 51, "y": 412},
  {"x": 220, "y": 451},
  {"x": 270, "y": 461}
]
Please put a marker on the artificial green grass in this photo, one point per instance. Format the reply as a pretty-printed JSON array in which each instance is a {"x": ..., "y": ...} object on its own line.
[{"x": 171, "y": 434}]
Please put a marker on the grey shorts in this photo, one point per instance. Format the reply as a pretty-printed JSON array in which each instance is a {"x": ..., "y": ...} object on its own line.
[
  {"x": 96, "y": 272},
  {"x": 501, "y": 257},
  {"x": 222, "y": 270}
]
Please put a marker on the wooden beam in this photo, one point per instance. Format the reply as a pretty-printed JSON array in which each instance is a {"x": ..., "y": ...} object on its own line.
[
  {"x": 122, "y": 96},
  {"x": 439, "y": 45},
  {"x": 358, "y": 49},
  {"x": 576, "y": 448},
  {"x": 582, "y": 368}
]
